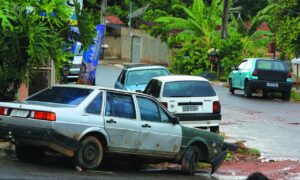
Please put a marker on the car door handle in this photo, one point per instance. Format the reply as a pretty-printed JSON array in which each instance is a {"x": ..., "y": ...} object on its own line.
[
  {"x": 111, "y": 121},
  {"x": 146, "y": 126}
]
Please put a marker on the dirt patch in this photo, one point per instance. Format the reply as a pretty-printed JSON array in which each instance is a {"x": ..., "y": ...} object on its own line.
[{"x": 246, "y": 161}]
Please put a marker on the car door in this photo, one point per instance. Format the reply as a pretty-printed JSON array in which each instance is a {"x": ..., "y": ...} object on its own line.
[
  {"x": 158, "y": 135},
  {"x": 121, "y": 123},
  {"x": 236, "y": 80},
  {"x": 245, "y": 72}
]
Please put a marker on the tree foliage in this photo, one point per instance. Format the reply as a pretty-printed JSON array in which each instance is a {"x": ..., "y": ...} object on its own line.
[
  {"x": 31, "y": 33},
  {"x": 289, "y": 27},
  {"x": 250, "y": 7}
]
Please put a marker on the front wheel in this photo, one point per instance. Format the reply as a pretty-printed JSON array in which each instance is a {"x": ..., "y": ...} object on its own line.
[
  {"x": 231, "y": 89},
  {"x": 190, "y": 160},
  {"x": 247, "y": 90},
  {"x": 286, "y": 96},
  {"x": 90, "y": 153}
]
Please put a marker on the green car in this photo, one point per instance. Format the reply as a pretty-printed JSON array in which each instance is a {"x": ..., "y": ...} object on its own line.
[{"x": 261, "y": 75}]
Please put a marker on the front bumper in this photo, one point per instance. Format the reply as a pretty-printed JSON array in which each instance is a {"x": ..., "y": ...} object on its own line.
[
  {"x": 217, "y": 161},
  {"x": 37, "y": 136},
  {"x": 262, "y": 84}
]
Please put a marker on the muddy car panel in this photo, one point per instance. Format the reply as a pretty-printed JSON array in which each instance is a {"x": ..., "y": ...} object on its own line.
[{"x": 125, "y": 130}]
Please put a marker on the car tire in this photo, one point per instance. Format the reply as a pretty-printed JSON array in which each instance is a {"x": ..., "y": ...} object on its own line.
[
  {"x": 247, "y": 89},
  {"x": 90, "y": 153},
  {"x": 28, "y": 153},
  {"x": 286, "y": 96},
  {"x": 231, "y": 89},
  {"x": 215, "y": 129},
  {"x": 265, "y": 94},
  {"x": 190, "y": 160}
]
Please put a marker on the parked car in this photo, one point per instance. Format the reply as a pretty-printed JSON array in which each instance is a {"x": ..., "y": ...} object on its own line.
[
  {"x": 190, "y": 98},
  {"x": 74, "y": 65},
  {"x": 258, "y": 74},
  {"x": 135, "y": 77},
  {"x": 88, "y": 123}
]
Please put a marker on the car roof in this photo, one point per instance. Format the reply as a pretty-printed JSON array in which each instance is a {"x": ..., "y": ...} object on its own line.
[
  {"x": 262, "y": 59},
  {"x": 98, "y": 87},
  {"x": 133, "y": 67},
  {"x": 179, "y": 78}
]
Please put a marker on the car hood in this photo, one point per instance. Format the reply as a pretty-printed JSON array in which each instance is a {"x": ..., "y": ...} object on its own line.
[
  {"x": 207, "y": 135},
  {"x": 140, "y": 87}
]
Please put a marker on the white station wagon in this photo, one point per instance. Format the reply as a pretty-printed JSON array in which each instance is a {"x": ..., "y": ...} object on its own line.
[
  {"x": 190, "y": 98},
  {"x": 88, "y": 123}
]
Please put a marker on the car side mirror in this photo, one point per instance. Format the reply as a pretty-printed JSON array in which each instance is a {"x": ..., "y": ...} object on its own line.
[
  {"x": 234, "y": 68},
  {"x": 175, "y": 120}
]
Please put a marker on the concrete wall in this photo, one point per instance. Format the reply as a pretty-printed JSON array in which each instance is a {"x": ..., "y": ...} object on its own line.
[
  {"x": 152, "y": 49},
  {"x": 114, "y": 50}
]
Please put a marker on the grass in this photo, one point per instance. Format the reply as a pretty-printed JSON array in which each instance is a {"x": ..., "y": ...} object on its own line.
[{"x": 295, "y": 96}]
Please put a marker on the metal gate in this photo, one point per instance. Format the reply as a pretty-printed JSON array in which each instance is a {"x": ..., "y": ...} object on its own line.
[{"x": 136, "y": 49}]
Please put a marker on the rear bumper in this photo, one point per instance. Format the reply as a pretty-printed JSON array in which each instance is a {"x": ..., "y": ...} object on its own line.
[
  {"x": 262, "y": 84},
  {"x": 199, "y": 120},
  {"x": 37, "y": 136}
]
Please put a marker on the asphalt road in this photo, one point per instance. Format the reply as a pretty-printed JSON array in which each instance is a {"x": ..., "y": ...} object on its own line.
[{"x": 269, "y": 125}]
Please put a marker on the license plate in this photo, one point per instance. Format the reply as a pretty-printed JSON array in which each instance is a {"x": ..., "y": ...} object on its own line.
[
  {"x": 272, "y": 84},
  {"x": 190, "y": 108},
  {"x": 19, "y": 113}
]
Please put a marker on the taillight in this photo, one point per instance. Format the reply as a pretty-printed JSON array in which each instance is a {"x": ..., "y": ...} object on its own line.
[
  {"x": 164, "y": 104},
  {"x": 255, "y": 73},
  {"x": 216, "y": 107},
  {"x": 42, "y": 115},
  {"x": 3, "y": 111},
  {"x": 289, "y": 75}
]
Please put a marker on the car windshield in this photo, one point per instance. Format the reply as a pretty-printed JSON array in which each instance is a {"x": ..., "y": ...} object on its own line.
[
  {"x": 61, "y": 95},
  {"x": 188, "y": 89},
  {"x": 144, "y": 76},
  {"x": 271, "y": 65}
]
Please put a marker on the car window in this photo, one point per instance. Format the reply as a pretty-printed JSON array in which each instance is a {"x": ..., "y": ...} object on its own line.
[
  {"x": 148, "y": 110},
  {"x": 153, "y": 88},
  {"x": 163, "y": 115},
  {"x": 271, "y": 65},
  {"x": 95, "y": 106},
  {"x": 144, "y": 76},
  {"x": 120, "y": 105},
  {"x": 188, "y": 89},
  {"x": 61, "y": 95},
  {"x": 242, "y": 65},
  {"x": 248, "y": 66}
]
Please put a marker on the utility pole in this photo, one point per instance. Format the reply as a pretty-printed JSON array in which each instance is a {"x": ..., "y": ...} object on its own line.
[
  {"x": 103, "y": 12},
  {"x": 225, "y": 19}
]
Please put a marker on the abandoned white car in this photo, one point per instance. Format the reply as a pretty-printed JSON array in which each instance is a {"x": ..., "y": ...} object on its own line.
[{"x": 88, "y": 123}]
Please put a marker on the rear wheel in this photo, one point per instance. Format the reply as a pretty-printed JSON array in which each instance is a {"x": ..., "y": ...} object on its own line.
[
  {"x": 286, "y": 96},
  {"x": 90, "y": 153},
  {"x": 247, "y": 89},
  {"x": 265, "y": 94},
  {"x": 190, "y": 160},
  {"x": 28, "y": 153},
  {"x": 231, "y": 89}
]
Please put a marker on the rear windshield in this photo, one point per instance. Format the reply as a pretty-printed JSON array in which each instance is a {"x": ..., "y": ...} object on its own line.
[
  {"x": 188, "y": 89},
  {"x": 144, "y": 76},
  {"x": 61, "y": 95},
  {"x": 271, "y": 65}
]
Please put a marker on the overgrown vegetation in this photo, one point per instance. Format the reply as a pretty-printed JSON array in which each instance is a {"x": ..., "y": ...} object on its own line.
[{"x": 31, "y": 33}]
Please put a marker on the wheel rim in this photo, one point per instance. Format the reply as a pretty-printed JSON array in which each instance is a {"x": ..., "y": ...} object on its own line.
[{"x": 90, "y": 153}]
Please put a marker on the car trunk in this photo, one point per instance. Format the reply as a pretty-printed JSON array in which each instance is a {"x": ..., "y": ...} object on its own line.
[
  {"x": 270, "y": 75},
  {"x": 19, "y": 114},
  {"x": 189, "y": 105}
]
